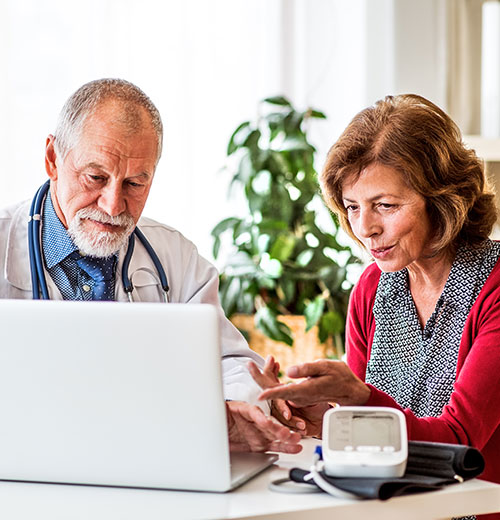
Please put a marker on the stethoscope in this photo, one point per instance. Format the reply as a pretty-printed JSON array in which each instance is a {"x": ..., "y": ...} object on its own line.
[{"x": 38, "y": 281}]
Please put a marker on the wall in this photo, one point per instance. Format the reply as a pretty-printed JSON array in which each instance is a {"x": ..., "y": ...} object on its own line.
[{"x": 206, "y": 65}]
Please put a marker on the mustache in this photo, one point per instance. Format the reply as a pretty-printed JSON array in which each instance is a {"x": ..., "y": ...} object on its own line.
[
  {"x": 122, "y": 220},
  {"x": 98, "y": 243}
]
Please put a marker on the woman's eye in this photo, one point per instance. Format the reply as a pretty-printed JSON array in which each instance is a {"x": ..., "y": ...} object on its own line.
[
  {"x": 384, "y": 205},
  {"x": 351, "y": 207}
]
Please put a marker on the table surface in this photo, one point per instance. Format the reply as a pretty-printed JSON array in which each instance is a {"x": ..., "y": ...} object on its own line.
[{"x": 25, "y": 501}]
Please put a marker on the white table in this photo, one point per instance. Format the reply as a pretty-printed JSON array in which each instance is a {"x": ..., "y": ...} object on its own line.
[{"x": 23, "y": 501}]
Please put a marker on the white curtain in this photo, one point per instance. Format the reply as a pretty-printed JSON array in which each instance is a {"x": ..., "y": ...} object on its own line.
[
  {"x": 204, "y": 64},
  {"x": 463, "y": 95}
]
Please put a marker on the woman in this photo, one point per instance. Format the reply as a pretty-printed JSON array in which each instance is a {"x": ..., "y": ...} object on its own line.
[{"x": 423, "y": 330}]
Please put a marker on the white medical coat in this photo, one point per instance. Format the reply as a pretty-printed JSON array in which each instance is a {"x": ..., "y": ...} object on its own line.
[{"x": 191, "y": 278}]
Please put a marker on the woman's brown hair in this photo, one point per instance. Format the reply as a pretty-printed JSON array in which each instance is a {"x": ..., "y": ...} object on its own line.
[{"x": 416, "y": 138}]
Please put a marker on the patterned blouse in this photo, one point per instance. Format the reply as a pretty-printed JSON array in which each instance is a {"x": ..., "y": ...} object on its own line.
[{"x": 415, "y": 365}]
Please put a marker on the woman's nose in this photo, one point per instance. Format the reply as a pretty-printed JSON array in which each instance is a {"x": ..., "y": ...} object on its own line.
[{"x": 368, "y": 225}]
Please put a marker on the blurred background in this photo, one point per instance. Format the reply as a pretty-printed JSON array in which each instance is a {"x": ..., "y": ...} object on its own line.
[{"x": 206, "y": 64}]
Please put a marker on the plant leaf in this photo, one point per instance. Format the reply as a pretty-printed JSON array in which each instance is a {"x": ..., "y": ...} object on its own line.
[
  {"x": 255, "y": 200},
  {"x": 313, "y": 312},
  {"x": 265, "y": 281},
  {"x": 269, "y": 225},
  {"x": 241, "y": 264},
  {"x": 238, "y": 137},
  {"x": 266, "y": 321},
  {"x": 261, "y": 183},
  {"x": 332, "y": 323},
  {"x": 271, "y": 266},
  {"x": 286, "y": 245},
  {"x": 293, "y": 122},
  {"x": 304, "y": 257},
  {"x": 245, "y": 169},
  {"x": 288, "y": 287},
  {"x": 294, "y": 143},
  {"x": 283, "y": 247},
  {"x": 278, "y": 100},
  {"x": 216, "y": 247},
  {"x": 229, "y": 293},
  {"x": 316, "y": 113},
  {"x": 224, "y": 225}
]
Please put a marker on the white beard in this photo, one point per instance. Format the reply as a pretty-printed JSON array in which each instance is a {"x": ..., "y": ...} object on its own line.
[{"x": 100, "y": 244}]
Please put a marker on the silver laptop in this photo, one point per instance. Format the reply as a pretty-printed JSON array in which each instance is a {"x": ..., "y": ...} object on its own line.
[{"x": 115, "y": 394}]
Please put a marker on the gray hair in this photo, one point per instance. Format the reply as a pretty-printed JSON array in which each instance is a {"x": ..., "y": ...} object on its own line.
[{"x": 82, "y": 103}]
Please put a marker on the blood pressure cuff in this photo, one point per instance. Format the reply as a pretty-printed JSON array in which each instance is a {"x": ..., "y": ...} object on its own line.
[{"x": 430, "y": 465}]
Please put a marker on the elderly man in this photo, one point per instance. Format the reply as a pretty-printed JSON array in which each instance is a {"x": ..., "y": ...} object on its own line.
[{"x": 101, "y": 163}]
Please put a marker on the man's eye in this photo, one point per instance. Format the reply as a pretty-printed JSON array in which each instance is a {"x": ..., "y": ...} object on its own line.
[
  {"x": 135, "y": 184},
  {"x": 384, "y": 205},
  {"x": 96, "y": 178}
]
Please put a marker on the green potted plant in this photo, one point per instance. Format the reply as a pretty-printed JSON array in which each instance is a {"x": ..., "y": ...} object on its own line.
[{"x": 284, "y": 256}]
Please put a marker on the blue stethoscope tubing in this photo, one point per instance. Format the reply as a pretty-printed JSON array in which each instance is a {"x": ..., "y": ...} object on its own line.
[{"x": 38, "y": 281}]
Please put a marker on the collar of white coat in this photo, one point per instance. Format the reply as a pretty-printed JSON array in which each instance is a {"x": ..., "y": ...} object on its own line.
[{"x": 17, "y": 263}]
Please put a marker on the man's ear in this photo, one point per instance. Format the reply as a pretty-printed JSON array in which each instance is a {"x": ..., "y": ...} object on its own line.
[{"x": 50, "y": 158}]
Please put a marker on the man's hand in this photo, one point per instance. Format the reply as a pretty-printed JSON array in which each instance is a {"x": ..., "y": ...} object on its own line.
[
  {"x": 326, "y": 382},
  {"x": 251, "y": 430},
  {"x": 307, "y": 420},
  {"x": 268, "y": 378}
]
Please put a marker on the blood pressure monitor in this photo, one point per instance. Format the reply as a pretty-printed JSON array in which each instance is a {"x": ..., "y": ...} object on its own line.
[{"x": 364, "y": 441}]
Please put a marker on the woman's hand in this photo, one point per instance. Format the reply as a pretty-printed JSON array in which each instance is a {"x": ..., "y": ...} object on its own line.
[
  {"x": 307, "y": 420},
  {"x": 325, "y": 381}
]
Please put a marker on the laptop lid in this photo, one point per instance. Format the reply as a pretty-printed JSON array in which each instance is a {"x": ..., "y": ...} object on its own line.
[{"x": 113, "y": 394}]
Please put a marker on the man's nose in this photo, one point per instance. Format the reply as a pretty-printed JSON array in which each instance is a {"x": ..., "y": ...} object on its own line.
[{"x": 112, "y": 200}]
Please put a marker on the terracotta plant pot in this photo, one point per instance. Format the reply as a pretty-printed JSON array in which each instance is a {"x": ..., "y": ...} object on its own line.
[{"x": 306, "y": 346}]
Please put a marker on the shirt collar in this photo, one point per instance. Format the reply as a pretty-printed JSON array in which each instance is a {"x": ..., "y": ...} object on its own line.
[{"x": 57, "y": 244}]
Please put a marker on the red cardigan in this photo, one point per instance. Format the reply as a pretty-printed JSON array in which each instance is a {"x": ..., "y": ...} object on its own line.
[{"x": 472, "y": 416}]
